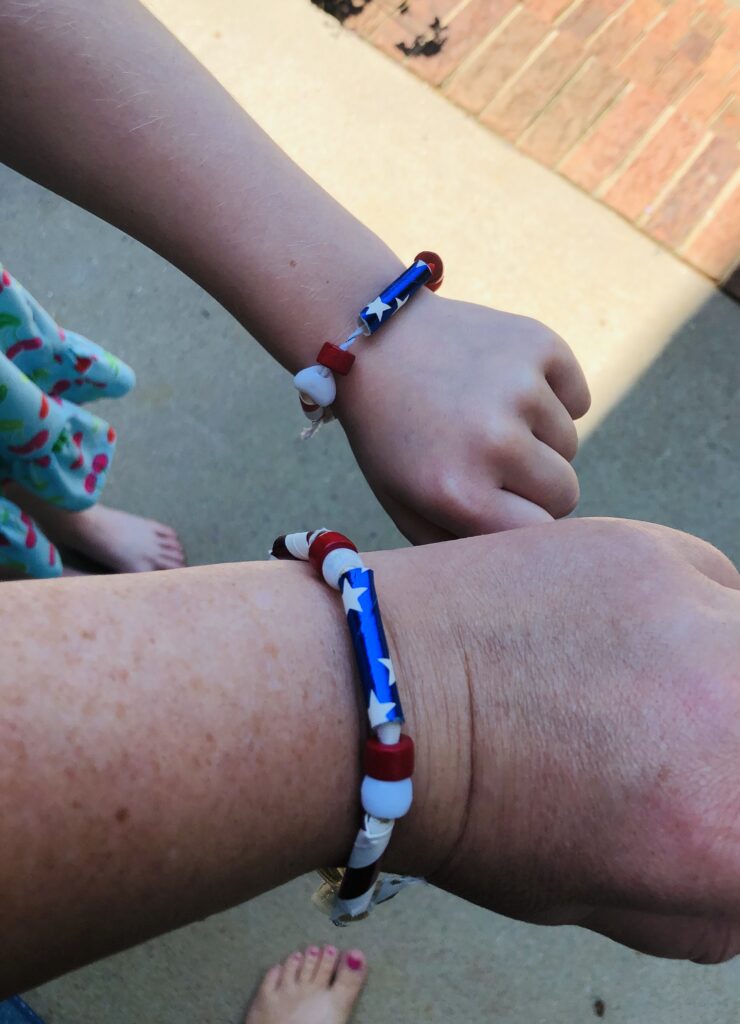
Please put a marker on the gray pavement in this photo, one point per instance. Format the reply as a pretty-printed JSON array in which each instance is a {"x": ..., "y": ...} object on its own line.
[
  {"x": 669, "y": 452},
  {"x": 663, "y": 348}
]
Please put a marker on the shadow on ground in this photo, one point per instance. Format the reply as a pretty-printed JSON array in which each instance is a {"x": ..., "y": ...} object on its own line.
[{"x": 670, "y": 450}]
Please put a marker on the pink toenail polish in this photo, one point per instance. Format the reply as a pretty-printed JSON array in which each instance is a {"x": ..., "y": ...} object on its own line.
[
  {"x": 313, "y": 951},
  {"x": 330, "y": 950},
  {"x": 354, "y": 963}
]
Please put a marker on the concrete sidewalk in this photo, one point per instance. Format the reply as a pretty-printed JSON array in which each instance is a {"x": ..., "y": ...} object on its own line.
[
  {"x": 635, "y": 101},
  {"x": 659, "y": 345}
]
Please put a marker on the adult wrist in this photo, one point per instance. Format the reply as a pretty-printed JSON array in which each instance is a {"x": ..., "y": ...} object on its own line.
[{"x": 430, "y": 668}]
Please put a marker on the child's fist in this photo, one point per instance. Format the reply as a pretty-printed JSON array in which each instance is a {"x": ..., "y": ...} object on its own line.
[{"x": 461, "y": 418}]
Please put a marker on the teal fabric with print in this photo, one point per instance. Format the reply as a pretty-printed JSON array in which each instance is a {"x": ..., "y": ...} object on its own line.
[{"x": 49, "y": 444}]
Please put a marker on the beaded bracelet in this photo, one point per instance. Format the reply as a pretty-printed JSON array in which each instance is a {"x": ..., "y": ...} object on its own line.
[
  {"x": 386, "y": 793},
  {"x": 316, "y": 385}
]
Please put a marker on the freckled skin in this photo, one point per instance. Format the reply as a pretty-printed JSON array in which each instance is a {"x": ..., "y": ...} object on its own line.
[
  {"x": 209, "y": 757},
  {"x": 534, "y": 686}
]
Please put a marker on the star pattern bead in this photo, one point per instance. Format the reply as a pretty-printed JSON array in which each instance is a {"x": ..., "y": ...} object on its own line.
[
  {"x": 386, "y": 792},
  {"x": 377, "y": 712},
  {"x": 377, "y": 307},
  {"x": 351, "y": 597},
  {"x": 387, "y": 663}
]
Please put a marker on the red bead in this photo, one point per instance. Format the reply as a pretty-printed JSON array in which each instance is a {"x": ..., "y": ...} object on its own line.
[
  {"x": 323, "y": 544},
  {"x": 280, "y": 549},
  {"x": 389, "y": 762},
  {"x": 336, "y": 358},
  {"x": 307, "y": 406},
  {"x": 435, "y": 264}
]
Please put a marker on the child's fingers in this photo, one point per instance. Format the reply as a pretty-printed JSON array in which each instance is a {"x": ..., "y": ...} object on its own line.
[
  {"x": 491, "y": 511},
  {"x": 414, "y": 527},
  {"x": 567, "y": 380},
  {"x": 552, "y": 424},
  {"x": 541, "y": 475}
]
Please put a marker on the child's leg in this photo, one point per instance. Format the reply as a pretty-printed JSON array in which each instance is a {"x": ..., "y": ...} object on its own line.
[
  {"x": 116, "y": 539},
  {"x": 58, "y": 454},
  {"x": 25, "y": 553},
  {"x": 318, "y": 986}
]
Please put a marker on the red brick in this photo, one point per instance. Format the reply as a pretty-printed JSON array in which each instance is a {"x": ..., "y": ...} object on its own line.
[
  {"x": 651, "y": 170},
  {"x": 547, "y": 10},
  {"x": 585, "y": 19},
  {"x": 676, "y": 77},
  {"x": 645, "y": 11},
  {"x": 465, "y": 31},
  {"x": 715, "y": 8},
  {"x": 517, "y": 105},
  {"x": 716, "y": 249},
  {"x": 571, "y": 113},
  {"x": 727, "y": 123},
  {"x": 692, "y": 195},
  {"x": 420, "y": 12},
  {"x": 721, "y": 61},
  {"x": 676, "y": 23},
  {"x": 695, "y": 46},
  {"x": 647, "y": 59},
  {"x": 480, "y": 80},
  {"x": 389, "y": 34},
  {"x": 367, "y": 21},
  {"x": 731, "y": 37},
  {"x": 613, "y": 138},
  {"x": 400, "y": 28},
  {"x": 704, "y": 98},
  {"x": 708, "y": 24},
  {"x": 615, "y": 41}
]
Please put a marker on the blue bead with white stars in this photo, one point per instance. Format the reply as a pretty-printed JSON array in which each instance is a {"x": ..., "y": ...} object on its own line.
[
  {"x": 366, "y": 631},
  {"x": 394, "y": 297}
]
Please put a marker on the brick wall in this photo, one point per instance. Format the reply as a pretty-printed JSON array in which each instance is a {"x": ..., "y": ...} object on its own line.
[{"x": 635, "y": 101}]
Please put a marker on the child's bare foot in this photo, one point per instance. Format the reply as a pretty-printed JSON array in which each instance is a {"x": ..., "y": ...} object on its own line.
[
  {"x": 119, "y": 540},
  {"x": 315, "y": 987}
]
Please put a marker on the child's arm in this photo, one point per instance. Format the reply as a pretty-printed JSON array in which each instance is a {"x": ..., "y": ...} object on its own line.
[{"x": 461, "y": 417}]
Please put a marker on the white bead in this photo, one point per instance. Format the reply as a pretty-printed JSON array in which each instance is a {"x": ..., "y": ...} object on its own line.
[
  {"x": 386, "y": 799},
  {"x": 337, "y": 562},
  {"x": 317, "y": 384},
  {"x": 297, "y": 545}
]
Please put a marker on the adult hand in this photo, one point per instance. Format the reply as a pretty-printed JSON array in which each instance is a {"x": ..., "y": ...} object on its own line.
[{"x": 602, "y": 660}]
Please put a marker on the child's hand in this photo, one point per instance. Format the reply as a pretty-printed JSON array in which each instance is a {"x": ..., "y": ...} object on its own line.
[{"x": 461, "y": 418}]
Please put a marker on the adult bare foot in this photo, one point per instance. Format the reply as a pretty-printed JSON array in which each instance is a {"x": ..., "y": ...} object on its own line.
[
  {"x": 319, "y": 986},
  {"x": 118, "y": 540}
]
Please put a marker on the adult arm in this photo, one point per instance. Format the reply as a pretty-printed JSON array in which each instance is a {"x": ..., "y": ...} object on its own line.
[{"x": 174, "y": 743}]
